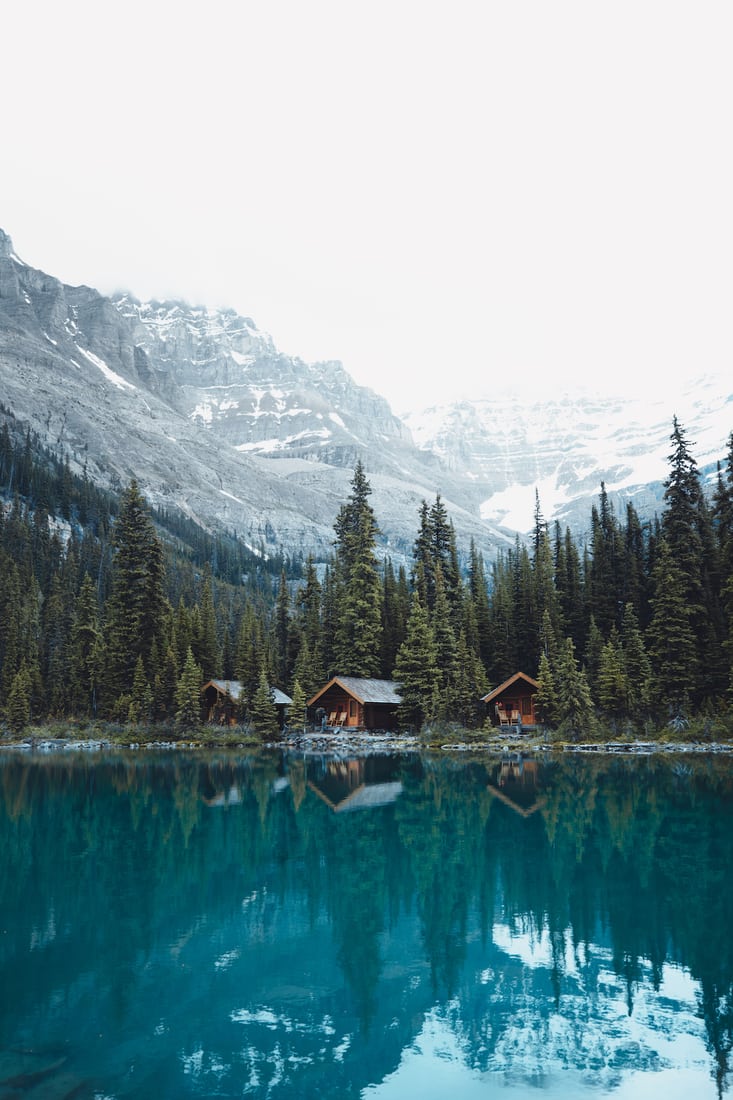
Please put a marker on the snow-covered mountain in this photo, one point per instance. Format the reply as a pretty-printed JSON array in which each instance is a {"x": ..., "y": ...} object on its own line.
[
  {"x": 212, "y": 419},
  {"x": 566, "y": 447}
]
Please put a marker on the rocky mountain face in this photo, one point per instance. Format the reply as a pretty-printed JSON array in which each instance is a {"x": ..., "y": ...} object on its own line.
[{"x": 211, "y": 419}]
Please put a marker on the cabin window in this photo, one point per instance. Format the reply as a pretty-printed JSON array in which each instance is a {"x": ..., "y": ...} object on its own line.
[
  {"x": 526, "y": 705},
  {"x": 352, "y": 708}
]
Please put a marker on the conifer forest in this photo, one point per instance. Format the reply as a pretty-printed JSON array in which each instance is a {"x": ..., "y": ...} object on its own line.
[{"x": 114, "y": 612}]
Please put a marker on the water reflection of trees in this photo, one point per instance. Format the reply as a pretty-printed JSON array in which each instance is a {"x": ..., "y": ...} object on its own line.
[{"x": 635, "y": 855}]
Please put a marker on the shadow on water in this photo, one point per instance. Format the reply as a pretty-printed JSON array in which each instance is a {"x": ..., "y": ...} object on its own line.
[{"x": 287, "y": 925}]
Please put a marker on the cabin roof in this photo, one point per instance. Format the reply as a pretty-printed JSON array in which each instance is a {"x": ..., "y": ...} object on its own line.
[
  {"x": 508, "y": 683},
  {"x": 233, "y": 688},
  {"x": 363, "y": 690}
]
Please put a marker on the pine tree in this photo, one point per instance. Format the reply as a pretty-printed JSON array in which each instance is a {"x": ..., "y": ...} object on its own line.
[
  {"x": 445, "y": 557},
  {"x": 687, "y": 530},
  {"x": 593, "y": 650},
  {"x": 446, "y": 654},
  {"x": 526, "y": 622},
  {"x": 635, "y": 580},
  {"x": 546, "y": 700},
  {"x": 504, "y": 660},
  {"x": 296, "y": 710},
  {"x": 604, "y": 579},
  {"x": 140, "y": 708},
  {"x": 435, "y": 548},
  {"x": 55, "y": 656},
  {"x": 282, "y": 632},
  {"x": 188, "y": 693},
  {"x": 86, "y": 650},
  {"x": 479, "y": 596},
  {"x": 546, "y": 597},
  {"x": 422, "y": 557},
  {"x": 470, "y": 685},
  {"x": 207, "y": 650},
  {"x": 136, "y": 608},
  {"x": 18, "y": 706},
  {"x": 611, "y": 684},
  {"x": 574, "y": 698},
  {"x": 263, "y": 712},
  {"x": 248, "y": 654},
  {"x": 671, "y": 638},
  {"x": 395, "y": 609},
  {"x": 359, "y": 615},
  {"x": 637, "y": 666},
  {"x": 723, "y": 520},
  {"x": 416, "y": 669}
]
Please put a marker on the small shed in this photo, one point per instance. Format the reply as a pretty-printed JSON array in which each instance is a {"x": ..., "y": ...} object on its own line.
[
  {"x": 222, "y": 697},
  {"x": 351, "y": 702},
  {"x": 512, "y": 703}
]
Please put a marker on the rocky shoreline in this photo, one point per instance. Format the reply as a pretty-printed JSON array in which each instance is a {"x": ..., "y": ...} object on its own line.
[{"x": 371, "y": 744}]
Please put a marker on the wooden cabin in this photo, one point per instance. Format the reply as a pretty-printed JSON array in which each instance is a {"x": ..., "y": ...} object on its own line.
[
  {"x": 512, "y": 703},
  {"x": 350, "y": 702},
  {"x": 221, "y": 700}
]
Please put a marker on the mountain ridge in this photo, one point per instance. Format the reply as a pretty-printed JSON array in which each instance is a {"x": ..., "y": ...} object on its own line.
[
  {"x": 204, "y": 411},
  {"x": 158, "y": 395}
]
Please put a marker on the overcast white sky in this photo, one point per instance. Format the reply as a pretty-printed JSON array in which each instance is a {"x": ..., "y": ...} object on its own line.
[{"x": 448, "y": 197}]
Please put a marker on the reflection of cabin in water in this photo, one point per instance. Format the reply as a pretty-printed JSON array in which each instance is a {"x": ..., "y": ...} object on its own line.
[
  {"x": 512, "y": 703},
  {"x": 355, "y": 703},
  {"x": 348, "y": 785},
  {"x": 222, "y": 699},
  {"x": 516, "y": 782}
]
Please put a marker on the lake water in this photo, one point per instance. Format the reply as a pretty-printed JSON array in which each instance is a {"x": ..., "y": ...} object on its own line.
[{"x": 283, "y": 926}]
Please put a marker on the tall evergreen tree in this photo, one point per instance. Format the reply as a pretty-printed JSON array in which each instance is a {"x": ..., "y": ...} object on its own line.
[
  {"x": 546, "y": 701},
  {"x": 207, "y": 650},
  {"x": 612, "y": 687},
  {"x": 18, "y": 706},
  {"x": 687, "y": 530},
  {"x": 574, "y": 698},
  {"x": 671, "y": 636},
  {"x": 86, "y": 650},
  {"x": 446, "y": 649},
  {"x": 479, "y": 596},
  {"x": 604, "y": 579},
  {"x": 296, "y": 710},
  {"x": 504, "y": 657},
  {"x": 263, "y": 712},
  {"x": 395, "y": 610},
  {"x": 136, "y": 608},
  {"x": 416, "y": 669},
  {"x": 637, "y": 666},
  {"x": 359, "y": 590},
  {"x": 188, "y": 693},
  {"x": 282, "y": 632}
]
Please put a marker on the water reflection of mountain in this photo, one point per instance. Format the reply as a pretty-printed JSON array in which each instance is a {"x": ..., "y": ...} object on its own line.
[{"x": 578, "y": 927}]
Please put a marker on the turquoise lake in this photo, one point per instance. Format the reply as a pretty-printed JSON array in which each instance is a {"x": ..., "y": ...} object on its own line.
[{"x": 272, "y": 925}]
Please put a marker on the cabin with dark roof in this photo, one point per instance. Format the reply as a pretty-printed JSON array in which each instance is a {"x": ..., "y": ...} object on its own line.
[
  {"x": 222, "y": 699},
  {"x": 512, "y": 703},
  {"x": 352, "y": 702}
]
